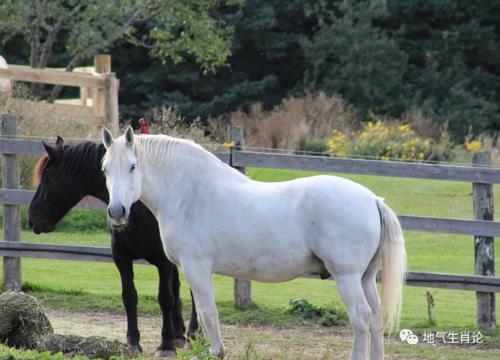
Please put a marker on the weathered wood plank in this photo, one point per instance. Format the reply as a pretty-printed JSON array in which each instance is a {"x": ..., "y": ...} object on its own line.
[
  {"x": 11, "y": 213},
  {"x": 457, "y": 282},
  {"x": 59, "y": 252},
  {"x": 446, "y": 281},
  {"x": 454, "y": 226},
  {"x": 411, "y": 223},
  {"x": 224, "y": 157},
  {"x": 484, "y": 254},
  {"x": 88, "y": 253},
  {"x": 368, "y": 167},
  {"x": 242, "y": 288},
  {"x": 51, "y": 76},
  {"x": 35, "y": 148},
  {"x": 23, "y": 197},
  {"x": 22, "y": 147}
]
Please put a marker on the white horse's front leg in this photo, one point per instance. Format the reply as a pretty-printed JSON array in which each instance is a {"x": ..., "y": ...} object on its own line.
[{"x": 199, "y": 277}]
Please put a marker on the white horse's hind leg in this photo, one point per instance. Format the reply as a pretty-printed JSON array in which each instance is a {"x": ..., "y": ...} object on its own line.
[
  {"x": 377, "y": 322},
  {"x": 359, "y": 311},
  {"x": 199, "y": 278}
]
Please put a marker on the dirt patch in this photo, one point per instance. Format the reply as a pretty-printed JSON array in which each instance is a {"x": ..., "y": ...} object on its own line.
[
  {"x": 259, "y": 342},
  {"x": 268, "y": 342}
]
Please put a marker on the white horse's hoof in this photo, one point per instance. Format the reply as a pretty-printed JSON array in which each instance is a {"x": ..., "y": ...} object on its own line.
[{"x": 165, "y": 354}]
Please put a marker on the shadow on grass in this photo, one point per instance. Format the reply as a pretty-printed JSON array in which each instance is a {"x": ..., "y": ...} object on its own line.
[{"x": 79, "y": 300}]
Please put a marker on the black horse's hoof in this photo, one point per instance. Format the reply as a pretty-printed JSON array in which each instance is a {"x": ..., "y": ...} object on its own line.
[
  {"x": 165, "y": 353},
  {"x": 135, "y": 345},
  {"x": 179, "y": 343}
]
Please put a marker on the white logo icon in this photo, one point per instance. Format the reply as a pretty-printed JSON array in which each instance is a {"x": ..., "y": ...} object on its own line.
[{"x": 406, "y": 335}]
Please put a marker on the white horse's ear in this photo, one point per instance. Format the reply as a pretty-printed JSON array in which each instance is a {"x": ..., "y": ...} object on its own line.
[
  {"x": 107, "y": 138},
  {"x": 129, "y": 136}
]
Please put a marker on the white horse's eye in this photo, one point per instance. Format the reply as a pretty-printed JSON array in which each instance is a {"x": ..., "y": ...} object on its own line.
[
  {"x": 104, "y": 171},
  {"x": 132, "y": 168}
]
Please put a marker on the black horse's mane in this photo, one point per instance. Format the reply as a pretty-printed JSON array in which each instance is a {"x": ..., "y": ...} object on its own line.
[
  {"x": 81, "y": 160},
  {"x": 84, "y": 159}
]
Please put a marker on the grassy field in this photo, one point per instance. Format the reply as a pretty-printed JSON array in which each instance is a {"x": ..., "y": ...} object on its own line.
[{"x": 95, "y": 286}]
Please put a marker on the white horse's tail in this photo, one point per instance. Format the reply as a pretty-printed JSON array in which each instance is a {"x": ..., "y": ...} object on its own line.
[{"x": 393, "y": 254}]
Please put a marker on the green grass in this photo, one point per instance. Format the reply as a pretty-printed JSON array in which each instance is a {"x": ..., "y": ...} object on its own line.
[
  {"x": 7, "y": 353},
  {"x": 76, "y": 285}
]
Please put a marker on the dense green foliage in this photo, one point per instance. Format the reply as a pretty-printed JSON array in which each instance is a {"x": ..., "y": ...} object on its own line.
[
  {"x": 385, "y": 57},
  {"x": 325, "y": 315}
]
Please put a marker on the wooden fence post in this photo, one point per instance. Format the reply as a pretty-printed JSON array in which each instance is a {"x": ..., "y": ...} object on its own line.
[
  {"x": 106, "y": 99},
  {"x": 11, "y": 218},
  {"x": 102, "y": 65},
  {"x": 484, "y": 255},
  {"x": 242, "y": 288}
]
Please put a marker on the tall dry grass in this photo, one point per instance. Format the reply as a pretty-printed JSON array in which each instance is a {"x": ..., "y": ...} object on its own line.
[
  {"x": 295, "y": 122},
  {"x": 37, "y": 121}
]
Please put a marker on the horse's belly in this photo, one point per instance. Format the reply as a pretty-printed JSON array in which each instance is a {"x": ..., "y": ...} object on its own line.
[{"x": 268, "y": 268}]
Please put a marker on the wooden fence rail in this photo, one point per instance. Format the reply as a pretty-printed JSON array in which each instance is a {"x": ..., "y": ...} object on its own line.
[
  {"x": 100, "y": 254},
  {"x": 410, "y": 223},
  {"x": 104, "y": 83},
  {"x": 481, "y": 228}
]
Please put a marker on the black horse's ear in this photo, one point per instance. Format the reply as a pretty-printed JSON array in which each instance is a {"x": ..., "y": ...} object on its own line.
[
  {"x": 107, "y": 138},
  {"x": 54, "y": 154},
  {"x": 59, "y": 142},
  {"x": 129, "y": 136}
]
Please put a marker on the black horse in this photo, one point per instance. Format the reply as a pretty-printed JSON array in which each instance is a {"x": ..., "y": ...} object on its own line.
[{"x": 65, "y": 175}]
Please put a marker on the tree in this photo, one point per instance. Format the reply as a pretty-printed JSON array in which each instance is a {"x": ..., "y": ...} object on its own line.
[
  {"x": 453, "y": 71},
  {"x": 351, "y": 56},
  {"x": 265, "y": 65},
  {"x": 86, "y": 27}
]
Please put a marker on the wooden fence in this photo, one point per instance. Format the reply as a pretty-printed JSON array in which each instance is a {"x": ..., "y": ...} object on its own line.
[
  {"x": 483, "y": 228},
  {"x": 101, "y": 85}
]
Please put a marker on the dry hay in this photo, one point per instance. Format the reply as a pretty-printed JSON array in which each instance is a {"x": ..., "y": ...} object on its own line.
[
  {"x": 94, "y": 347},
  {"x": 22, "y": 321},
  {"x": 23, "y": 324}
]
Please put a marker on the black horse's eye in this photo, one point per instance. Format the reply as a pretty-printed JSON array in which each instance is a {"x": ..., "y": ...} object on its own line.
[{"x": 132, "y": 168}]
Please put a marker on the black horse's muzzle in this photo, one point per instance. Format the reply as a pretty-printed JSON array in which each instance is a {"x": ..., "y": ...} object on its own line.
[{"x": 43, "y": 227}]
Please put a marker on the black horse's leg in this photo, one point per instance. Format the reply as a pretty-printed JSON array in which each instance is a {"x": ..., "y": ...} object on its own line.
[
  {"x": 193, "y": 323},
  {"x": 167, "y": 302},
  {"x": 177, "y": 319},
  {"x": 129, "y": 296}
]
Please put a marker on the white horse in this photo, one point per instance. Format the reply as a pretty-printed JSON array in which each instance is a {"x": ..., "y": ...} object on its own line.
[{"x": 213, "y": 219}]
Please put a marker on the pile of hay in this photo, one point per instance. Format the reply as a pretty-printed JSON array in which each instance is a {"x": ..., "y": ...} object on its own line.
[
  {"x": 22, "y": 321},
  {"x": 94, "y": 347},
  {"x": 24, "y": 325}
]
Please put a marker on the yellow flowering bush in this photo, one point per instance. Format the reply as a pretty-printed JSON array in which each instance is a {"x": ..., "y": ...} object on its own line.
[
  {"x": 382, "y": 141},
  {"x": 473, "y": 146},
  {"x": 338, "y": 144}
]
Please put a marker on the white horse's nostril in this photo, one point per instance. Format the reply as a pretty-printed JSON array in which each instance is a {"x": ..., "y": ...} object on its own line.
[{"x": 117, "y": 212}]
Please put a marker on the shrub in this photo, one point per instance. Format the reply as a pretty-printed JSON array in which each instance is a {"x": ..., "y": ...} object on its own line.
[
  {"x": 315, "y": 147},
  {"x": 324, "y": 315},
  {"x": 338, "y": 144},
  {"x": 382, "y": 140},
  {"x": 385, "y": 142}
]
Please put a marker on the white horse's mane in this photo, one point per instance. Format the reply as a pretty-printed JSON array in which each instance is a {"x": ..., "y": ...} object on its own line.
[{"x": 160, "y": 148}]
